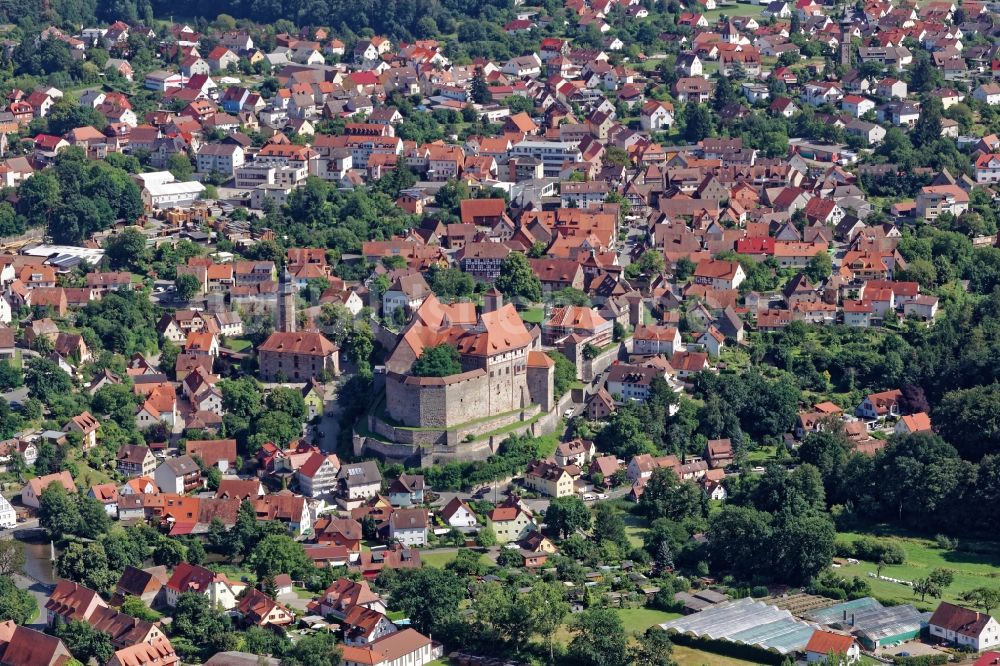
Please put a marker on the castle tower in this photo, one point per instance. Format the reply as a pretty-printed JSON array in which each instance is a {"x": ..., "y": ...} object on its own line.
[
  {"x": 286, "y": 303},
  {"x": 492, "y": 300}
]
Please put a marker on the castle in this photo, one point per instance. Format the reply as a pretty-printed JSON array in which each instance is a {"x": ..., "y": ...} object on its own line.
[{"x": 505, "y": 379}]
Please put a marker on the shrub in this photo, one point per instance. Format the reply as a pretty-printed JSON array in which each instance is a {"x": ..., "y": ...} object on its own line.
[{"x": 867, "y": 548}]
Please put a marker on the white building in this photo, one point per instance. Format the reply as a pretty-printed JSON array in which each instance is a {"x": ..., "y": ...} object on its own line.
[
  {"x": 161, "y": 190},
  {"x": 408, "y": 526},
  {"x": 220, "y": 157},
  {"x": 964, "y": 627},
  {"x": 552, "y": 154},
  {"x": 8, "y": 518}
]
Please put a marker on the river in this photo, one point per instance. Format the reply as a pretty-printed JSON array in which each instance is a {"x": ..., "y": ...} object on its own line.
[{"x": 37, "y": 564}]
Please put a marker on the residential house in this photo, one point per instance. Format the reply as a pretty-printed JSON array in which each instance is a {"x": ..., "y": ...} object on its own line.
[
  {"x": 880, "y": 405},
  {"x": 33, "y": 489},
  {"x": 178, "y": 475},
  {"x": 964, "y": 628},
  {"x": 86, "y": 426},
  {"x": 220, "y": 590},
  {"x": 824, "y": 644},
  {"x": 509, "y": 523},
  {"x": 577, "y": 452},
  {"x": 456, "y": 513},
  {"x": 719, "y": 452},
  {"x": 318, "y": 474},
  {"x": 653, "y": 339},
  {"x": 407, "y": 490},
  {"x": 719, "y": 273},
  {"x": 256, "y": 609},
  {"x": 360, "y": 480},
  {"x": 409, "y": 526},
  {"x": 549, "y": 479}
]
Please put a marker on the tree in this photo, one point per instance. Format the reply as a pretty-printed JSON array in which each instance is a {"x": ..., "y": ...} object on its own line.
[
  {"x": 609, "y": 526},
  {"x": 277, "y": 554},
  {"x": 361, "y": 345},
  {"x": 45, "y": 379},
  {"x": 549, "y": 608},
  {"x": 517, "y": 281},
  {"x": 819, "y": 268},
  {"x": 11, "y": 557},
  {"x": 927, "y": 131},
  {"x": 438, "y": 361},
  {"x": 924, "y": 76},
  {"x": 684, "y": 268},
  {"x": 94, "y": 518},
  {"x": 126, "y": 250},
  {"x": 566, "y": 515},
  {"x": 625, "y": 435},
  {"x": 509, "y": 558},
  {"x": 319, "y": 649},
  {"x": 169, "y": 552},
  {"x": 86, "y": 564},
  {"x": 942, "y": 577},
  {"x": 486, "y": 538},
  {"x": 925, "y": 586},
  {"x": 653, "y": 649},
  {"x": 735, "y": 538},
  {"x": 336, "y": 320},
  {"x": 565, "y": 372},
  {"x": 480, "y": 90},
  {"x": 137, "y": 608},
  {"x": 802, "y": 547},
  {"x": 10, "y": 377},
  {"x": 196, "y": 620},
  {"x": 970, "y": 420},
  {"x": 697, "y": 122},
  {"x": 187, "y": 286},
  {"x": 287, "y": 400},
  {"x": 84, "y": 641},
  {"x": 58, "y": 512},
  {"x": 16, "y": 604},
  {"x": 179, "y": 164},
  {"x": 241, "y": 396},
  {"x": 599, "y": 639},
  {"x": 983, "y": 597},
  {"x": 430, "y": 597},
  {"x": 652, "y": 263}
]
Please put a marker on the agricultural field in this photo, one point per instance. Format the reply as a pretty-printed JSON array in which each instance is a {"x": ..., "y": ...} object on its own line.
[{"x": 975, "y": 563}]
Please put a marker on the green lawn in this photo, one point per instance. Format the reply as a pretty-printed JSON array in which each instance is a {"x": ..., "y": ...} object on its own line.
[
  {"x": 238, "y": 344},
  {"x": 547, "y": 444},
  {"x": 635, "y": 528},
  {"x": 437, "y": 560},
  {"x": 972, "y": 569},
  {"x": 89, "y": 476},
  {"x": 638, "y": 620},
  {"x": 533, "y": 316},
  {"x": 37, "y": 613},
  {"x": 739, "y": 9}
]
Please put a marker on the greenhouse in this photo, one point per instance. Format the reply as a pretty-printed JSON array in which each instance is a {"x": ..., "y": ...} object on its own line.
[
  {"x": 749, "y": 622},
  {"x": 875, "y": 625}
]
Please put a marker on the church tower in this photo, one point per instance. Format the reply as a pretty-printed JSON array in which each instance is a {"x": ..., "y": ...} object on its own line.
[{"x": 286, "y": 303}]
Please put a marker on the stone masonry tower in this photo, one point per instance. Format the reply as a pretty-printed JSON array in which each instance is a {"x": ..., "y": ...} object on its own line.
[{"x": 286, "y": 303}]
